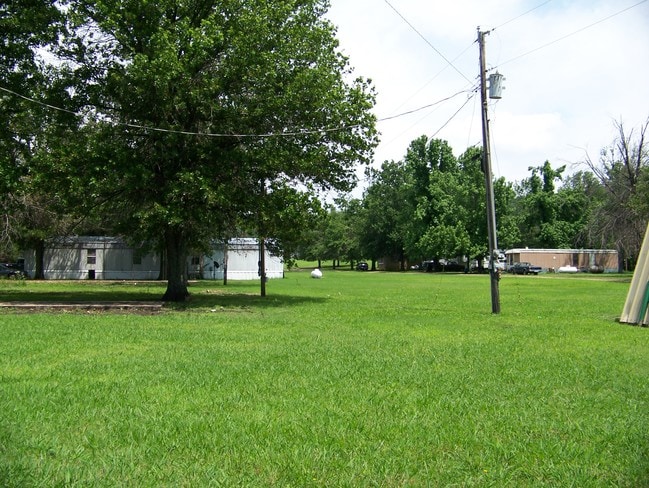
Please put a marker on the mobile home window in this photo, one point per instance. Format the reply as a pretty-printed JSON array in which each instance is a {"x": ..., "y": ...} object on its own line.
[
  {"x": 91, "y": 257},
  {"x": 196, "y": 260},
  {"x": 137, "y": 256}
]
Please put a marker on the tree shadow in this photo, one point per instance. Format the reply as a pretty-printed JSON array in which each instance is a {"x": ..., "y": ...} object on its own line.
[
  {"x": 99, "y": 296},
  {"x": 199, "y": 299},
  {"x": 242, "y": 301}
]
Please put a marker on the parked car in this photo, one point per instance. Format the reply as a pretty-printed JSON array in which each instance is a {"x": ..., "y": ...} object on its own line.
[
  {"x": 10, "y": 272},
  {"x": 524, "y": 268},
  {"x": 362, "y": 266},
  {"x": 452, "y": 265}
]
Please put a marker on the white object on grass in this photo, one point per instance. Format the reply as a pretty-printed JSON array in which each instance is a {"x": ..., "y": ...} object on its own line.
[
  {"x": 316, "y": 273},
  {"x": 568, "y": 269}
]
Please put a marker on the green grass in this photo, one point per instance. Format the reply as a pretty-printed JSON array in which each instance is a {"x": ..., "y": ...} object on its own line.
[{"x": 358, "y": 379}]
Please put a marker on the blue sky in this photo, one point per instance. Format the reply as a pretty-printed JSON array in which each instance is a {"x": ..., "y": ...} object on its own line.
[{"x": 561, "y": 98}]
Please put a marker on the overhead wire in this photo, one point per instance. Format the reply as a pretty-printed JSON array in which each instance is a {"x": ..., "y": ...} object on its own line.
[
  {"x": 451, "y": 63},
  {"x": 292, "y": 133},
  {"x": 190, "y": 133},
  {"x": 453, "y": 116},
  {"x": 619, "y": 12},
  {"x": 434, "y": 77},
  {"x": 522, "y": 15},
  {"x": 427, "y": 41},
  {"x": 295, "y": 133},
  {"x": 43, "y": 104},
  {"x": 419, "y": 109}
]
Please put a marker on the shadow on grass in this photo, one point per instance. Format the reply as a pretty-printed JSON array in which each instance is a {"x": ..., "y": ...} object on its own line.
[
  {"x": 77, "y": 296},
  {"x": 241, "y": 301},
  {"x": 105, "y": 293}
]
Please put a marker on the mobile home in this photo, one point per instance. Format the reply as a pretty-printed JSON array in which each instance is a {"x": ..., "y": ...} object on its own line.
[
  {"x": 594, "y": 260},
  {"x": 111, "y": 258}
]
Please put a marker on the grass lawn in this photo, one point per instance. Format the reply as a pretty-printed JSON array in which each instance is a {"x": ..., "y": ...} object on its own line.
[{"x": 358, "y": 379}]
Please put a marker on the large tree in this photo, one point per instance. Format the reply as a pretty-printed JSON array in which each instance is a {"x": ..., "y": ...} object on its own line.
[
  {"x": 196, "y": 109},
  {"x": 435, "y": 228}
]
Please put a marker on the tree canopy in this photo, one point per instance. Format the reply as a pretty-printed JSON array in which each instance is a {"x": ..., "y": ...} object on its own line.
[{"x": 193, "y": 113}]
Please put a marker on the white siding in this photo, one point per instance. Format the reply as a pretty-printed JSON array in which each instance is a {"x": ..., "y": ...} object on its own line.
[{"x": 67, "y": 258}]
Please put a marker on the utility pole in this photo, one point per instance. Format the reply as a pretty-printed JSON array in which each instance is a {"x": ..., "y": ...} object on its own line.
[
  {"x": 262, "y": 265},
  {"x": 262, "y": 242},
  {"x": 486, "y": 167}
]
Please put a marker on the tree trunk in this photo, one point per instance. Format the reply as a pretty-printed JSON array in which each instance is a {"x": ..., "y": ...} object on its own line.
[
  {"x": 621, "y": 260},
  {"x": 225, "y": 263},
  {"x": 176, "y": 267},
  {"x": 262, "y": 265},
  {"x": 39, "y": 258}
]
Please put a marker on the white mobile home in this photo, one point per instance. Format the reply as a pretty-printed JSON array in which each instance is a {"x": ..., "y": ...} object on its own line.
[
  {"x": 93, "y": 257},
  {"x": 110, "y": 258},
  {"x": 241, "y": 256}
]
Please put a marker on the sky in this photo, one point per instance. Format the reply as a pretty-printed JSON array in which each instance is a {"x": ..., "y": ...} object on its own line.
[{"x": 572, "y": 70}]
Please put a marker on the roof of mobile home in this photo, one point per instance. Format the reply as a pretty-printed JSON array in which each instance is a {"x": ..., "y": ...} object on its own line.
[{"x": 559, "y": 251}]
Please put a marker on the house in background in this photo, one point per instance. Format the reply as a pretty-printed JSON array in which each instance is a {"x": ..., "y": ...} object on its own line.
[
  {"x": 594, "y": 260},
  {"x": 241, "y": 256},
  {"x": 111, "y": 258},
  {"x": 93, "y": 257}
]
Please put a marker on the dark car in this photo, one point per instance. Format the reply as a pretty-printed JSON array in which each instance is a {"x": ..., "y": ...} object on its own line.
[
  {"x": 10, "y": 272},
  {"x": 524, "y": 268},
  {"x": 362, "y": 266}
]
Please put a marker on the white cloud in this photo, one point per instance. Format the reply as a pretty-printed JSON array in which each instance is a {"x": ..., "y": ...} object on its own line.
[{"x": 559, "y": 100}]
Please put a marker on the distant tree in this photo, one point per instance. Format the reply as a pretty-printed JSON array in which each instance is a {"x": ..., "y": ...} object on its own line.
[
  {"x": 432, "y": 205},
  {"x": 622, "y": 170},
  {"x": 472, "y": 198},
  {"x": 435, "y": 230},
  {"x": 543, "y": 225},
  {"x": 388, "y": 211},
  {"x": 509, "y": 234},
  {"x": 340, "y": 240}
]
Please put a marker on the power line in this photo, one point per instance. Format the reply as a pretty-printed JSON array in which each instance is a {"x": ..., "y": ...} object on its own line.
[
  {"x": 522, "y": 15},
  {"x": 42, "y": 104},
  {"x": 422, "y": 108},
  {"x": 190, "y": 133},
  {"x": 293, "y": 133},
  {"x": 434, "y": 77},
  {"x": 427, "y": 41},
  {"x": 452, "y": 116},
  {"x": 572, "y": 33}
]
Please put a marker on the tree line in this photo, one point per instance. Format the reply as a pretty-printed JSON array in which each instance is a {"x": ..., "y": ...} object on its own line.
[{"x": 431, "y": 205}]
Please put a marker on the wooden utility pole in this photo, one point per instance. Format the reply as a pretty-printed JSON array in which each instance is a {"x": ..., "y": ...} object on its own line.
[
  {"x": 225, "y": 262},
  {"x": 262, "y": 265},
  {"x": 486, "y": 167}
]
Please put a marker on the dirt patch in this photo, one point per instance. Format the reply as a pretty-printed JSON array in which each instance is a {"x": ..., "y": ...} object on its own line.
[{"x": 88, "y": 307}]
